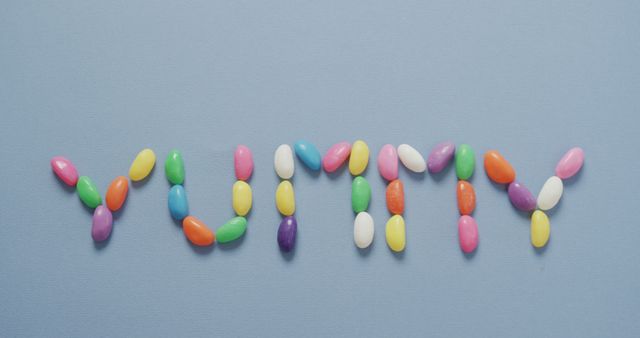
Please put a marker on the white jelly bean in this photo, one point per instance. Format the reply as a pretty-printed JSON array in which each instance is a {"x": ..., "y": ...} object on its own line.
[
  {"x": 411, "y": 158},
  {"x": 363, "y": 230},
  {"x": 550, "y": 193},
  {"x": 283, "y": 161}
]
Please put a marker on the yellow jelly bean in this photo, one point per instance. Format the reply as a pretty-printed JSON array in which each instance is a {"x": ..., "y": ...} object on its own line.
[
  {"x": 395, "y": 233},
  {"x": 242, "y": 198},
  {"x": 285, "y": 200},
  {"x": 540, "y": 229},
  {"x": 142, "y": 165},
  {"x": 359, "y": 158}
]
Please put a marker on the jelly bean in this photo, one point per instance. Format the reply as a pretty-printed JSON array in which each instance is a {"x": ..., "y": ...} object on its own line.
[
  {"x": 285, "y": 199},
  {"x": 521, "y": 197},
  {"x": 102, "y": 224},
  {"x": 359, "y": 158},
  {"x": 283, "y": 162},
  {"x": 287, "y": 233},
  {"x": 395, "y": 197},
  {"x": 465, "y": 162},
  {"x": 466, "y": 197},
  {"x": 395, "y": 233},
  {"x": 363, "y": 230},
  {"x": 550, "y": 193},
  {"x": 231, "y": 230},
  {"x": 65, "y": 170},
  {"x": 174, "y": 167},
  {"x": 360, "y": 194},
  {"x": 540, "y": 229},
  {"x": 336, "y": 156},
  {"x": 243, "y": 162},
  {"x": 178, "y": 204},
  {"x": 498, "y": 169},
  {"x": 570, "y": 163},
  {"x": 440, "y": 156},
  {"x": 142, "y": 165},
  {"x": 388, "y": 162},
  {"x": 117, "y": 193},
  {"x": 411, "y": 158},
  {"x": 467, "y": 233},
  {"x": 242, "y": 198},
  {"x": 308, "y": 154},
  {"x": 88, "y": 192},
  {"x": 197, "y": 232}
]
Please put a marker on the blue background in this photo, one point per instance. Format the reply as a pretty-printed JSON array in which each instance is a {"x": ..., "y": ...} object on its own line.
[{"x": 98, "y": 81}]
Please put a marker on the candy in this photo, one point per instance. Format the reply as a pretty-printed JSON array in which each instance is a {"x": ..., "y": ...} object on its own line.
[
  {"x": 142, "y": 165},
  {"x": 65, "y": 170},
  {"x": 117, "y": 193},
  {"x": 570, "y": 163},
  {"x": 359, "y": 158},
  {"x": 174, "y": 167},
  {"x": 550, "y": 193},
  {"x": 521, "y": 197},
  {"x": 498, "y": 169},
  {"x": 178, "y": 204},
  {"x": 360, "y": 194},
  {"x": 242, "y": 199},
  {"x": 287, "y": 233},
  {"x": 411, "y": 158},
  {"x": 540, "y": 229},
  {"x": 466, "y": 198},
  {"x": 232, "y": 230},
  {"x": 395, "y": 233},
  {"x": 440, "y": 156},
  {"x": 243, "y": 162},
  {"x": 197, "y": 232},
  {"x": 285, "y": 199},
  {"x": 388, "y": 162},
  {"x": 308, "y": 154},
  {"x": 467, "y": 233},
  {"x": 102, "y": 224},
  {"x": 336, "y": 156},
  {"x": 88, "y": 192},
  {"x": 363, "y": 230},
  {"x": 395, "y": 197},
  {"x": 283, "y": 162},
  {"x": 465, "y": 162}
]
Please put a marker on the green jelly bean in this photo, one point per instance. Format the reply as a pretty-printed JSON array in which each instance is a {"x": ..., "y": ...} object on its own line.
[
  {"x": 360, "y": 194},
  {"x": 231, "y": 230},
  {"x": 88, "y": 192},
  {"x": 465, "y": 161},
  {"x": 174, "y": 167}
]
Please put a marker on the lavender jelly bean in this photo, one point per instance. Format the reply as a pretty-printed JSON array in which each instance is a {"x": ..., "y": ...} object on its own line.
[
  {"x": 521, "y": 197},
  {"x": 440, "y": 156},
  {"x": 102, "y": 224}
]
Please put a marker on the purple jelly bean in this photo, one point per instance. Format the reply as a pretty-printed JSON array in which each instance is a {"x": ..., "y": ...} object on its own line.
[
  {"x": 102, "y": 224},
  {"x": 287, "y": 233},
  {"x": 521, "y": 197},
  {"x": 440, "y": 156}
]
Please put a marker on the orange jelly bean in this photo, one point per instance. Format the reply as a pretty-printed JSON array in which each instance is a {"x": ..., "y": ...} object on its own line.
[
  {"x": 466, "y": 198},
  {"x": 498, "y": 169},
  {"x": 197, "y": 232},
  {"x": 117, "y": 193},
  {"x": 395, "y": 197}
]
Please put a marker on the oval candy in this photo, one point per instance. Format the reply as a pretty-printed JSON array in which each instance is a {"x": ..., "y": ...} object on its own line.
[
  {"x": 440, "y": 156},
  {"x": 242, "y": 199},
  {"x": 178, "y": 204},
  {"x": 467, "y": 233},
  {"x": 540, "y": 229},
  {"x": 243, "y": 162},
  {"x": 308, "y": 154},
  {"x": 197, "y": 232},
  {"x": 465, "y": 162},
  {"x": 287, "y": 233},
  {"x": 359, "y": 158},
  {"x": 65, "y": 170},
  {"x": 498, "y": 168},
  {"x": 363, "y": 230},
  {"x": 336, "y": 156},
  {"x": 283, "y": 162},
  {"x": 117, "y": 193},
  {"x": 174, "y": 167},
  {"x": 88, "y": 192},
  {"x": 388, "y": 162},
  {"x": 232, "y": 230},
  {"x": 102, "y": 224},
  {"x": 360, "y": 194},
  {"x": 570, "y": 163},
  {"x": 395, "y": 197},
  {"x": 285, "y": 198},
  {"x": 521, "y": 197},
  {"x": 466, "y": 196},
  {"x": 550, "y": 193},
  {"x": 142, "y": 165},
  {"x": 411, "y": 158},
  {"x": 395, "y": 233}
]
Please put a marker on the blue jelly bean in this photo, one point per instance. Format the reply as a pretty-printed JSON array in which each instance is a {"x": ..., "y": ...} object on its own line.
[
  {"x": 308, "y": 154},
  {"x": 178, "y": 205}
]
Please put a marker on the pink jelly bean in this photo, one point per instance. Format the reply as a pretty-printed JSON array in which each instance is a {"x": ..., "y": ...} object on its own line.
[
  {"x": 336, "y": 156},
  {"x": 467, "y": 233},
  {"x": 243, "y": 161},
  {"x": 65, "y": 170},
  {"x": 388, "y": 162},
  {"x": 102, "y": 223},
  {"x": 570, "y": 163}
]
